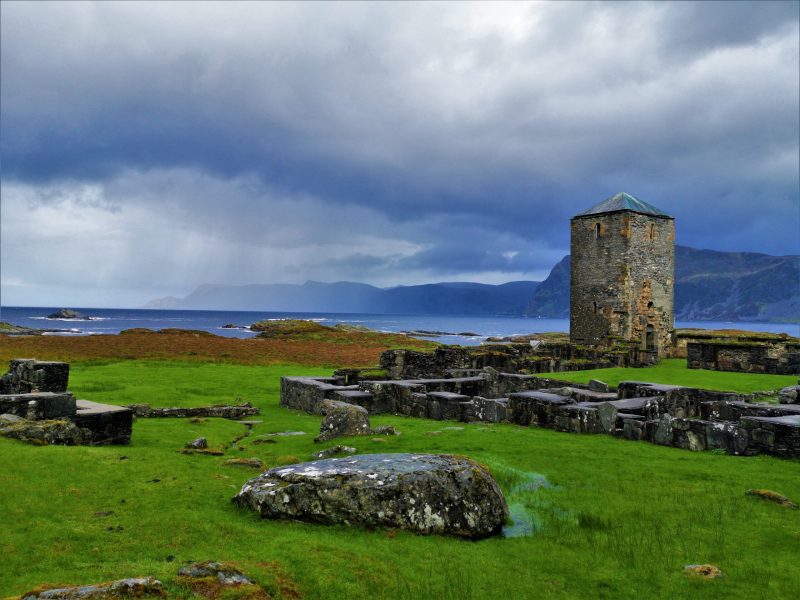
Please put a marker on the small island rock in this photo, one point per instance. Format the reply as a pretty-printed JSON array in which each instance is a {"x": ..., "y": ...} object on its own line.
[{"x": 68, "y": 313}]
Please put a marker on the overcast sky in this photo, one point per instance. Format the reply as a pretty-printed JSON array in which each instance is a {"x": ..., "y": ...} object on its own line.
[{"x": 151, "y": 147}]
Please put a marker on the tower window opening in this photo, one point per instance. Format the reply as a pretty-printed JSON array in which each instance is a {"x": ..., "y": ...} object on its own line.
[
  {"x": 595, "y": 307},
  {"x": 652, "y": 231},
  {"x": 597, "y": 231}
]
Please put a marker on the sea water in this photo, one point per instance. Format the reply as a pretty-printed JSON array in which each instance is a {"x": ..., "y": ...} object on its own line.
[{"x": 465, "y": 330}]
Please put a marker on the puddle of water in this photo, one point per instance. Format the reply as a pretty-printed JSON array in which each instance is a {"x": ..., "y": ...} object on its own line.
[{"x": 523, "y": 522}]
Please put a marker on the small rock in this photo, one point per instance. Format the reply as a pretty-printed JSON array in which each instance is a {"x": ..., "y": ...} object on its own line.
[
  {"x": 453, "y": 429},
  {"x": 8, "y": 419},
  {"x": 253, "y": 463},
  {"x": 775, "y": 497},
  {"x": 200, "y": 443},
  {"x": 279, "y": 434},
  {"x": 339, "y": 449},
  {"x": 225, "y": 573},
  {"x": 379, "y": 440},
  {"x": 704, "y": 571},
  {"x": 390, "y": 430}
]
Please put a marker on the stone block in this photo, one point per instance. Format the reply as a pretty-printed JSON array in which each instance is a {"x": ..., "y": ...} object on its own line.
[
  {"x": 392, "y": 396},
  {"x": 535, "y": 407},
  {"x": 641, "y": 389},
  {"x": 633, "y": 429},
  {"x": 108, "y": 424},
  {"x": 449, "y": 403},
  {"x": 596, "y": 385},
  {"x": 307, "y": 393},
  {"x": 27, "y": 375},
  {"x": 577, "y": 418},
  {"x": 779, "y": 436},
  {"x": 38, "y": 405},
  {"x": 491, "y": 410},
  {"x": 357, "y": 397}
]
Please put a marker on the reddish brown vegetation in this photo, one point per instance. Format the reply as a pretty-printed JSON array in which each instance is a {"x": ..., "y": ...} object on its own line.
[{"x": 357, "y": 349}]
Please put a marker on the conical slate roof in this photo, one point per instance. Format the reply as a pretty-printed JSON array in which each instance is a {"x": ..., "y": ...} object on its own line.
[{"x": 623, "y": 201}]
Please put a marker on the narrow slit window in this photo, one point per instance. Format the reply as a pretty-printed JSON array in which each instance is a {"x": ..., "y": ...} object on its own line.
[
  {"x": 597, "y": 231},
  {"x": 595, "y": 307},
  {"x": 652, "y": 231}
]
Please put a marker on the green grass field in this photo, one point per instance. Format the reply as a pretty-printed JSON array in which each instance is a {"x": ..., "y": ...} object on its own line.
[
  {"x": 620, "y": 520},
  {"x": 673, "y": 371}
]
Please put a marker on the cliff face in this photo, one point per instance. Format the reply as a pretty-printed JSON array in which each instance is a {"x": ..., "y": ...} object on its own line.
[
  {"x": 709, "y": 286},
  {"x": 736, "y": 286},
  {"x": 551, "y": 298}
]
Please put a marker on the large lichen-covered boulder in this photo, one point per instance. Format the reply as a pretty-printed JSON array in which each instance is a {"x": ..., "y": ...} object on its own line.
[
  {"x": 426, "y": 493},
  {"x": 342, "y": 419}
]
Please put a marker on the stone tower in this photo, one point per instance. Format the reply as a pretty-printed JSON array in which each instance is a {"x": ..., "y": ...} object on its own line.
[{"x": 622, "y": 275}]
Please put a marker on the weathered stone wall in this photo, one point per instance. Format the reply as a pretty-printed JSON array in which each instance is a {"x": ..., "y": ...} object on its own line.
[
  {"x": 507, "y": 358},
  {"x": 743, "y": 357},
  {"x": 38, "y": 405},
  {"x": 682, "y": 417},
  {"x": 26, "y": 375},
  {"x": 34, "y": 397},
  {"x": 622, "y": 280},
  {"x": 105, "y": 424},
  {"x": 221, "y": 411}
]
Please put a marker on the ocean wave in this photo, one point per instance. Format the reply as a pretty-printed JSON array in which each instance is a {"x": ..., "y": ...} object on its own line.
[{"x": 79, "y": 320}]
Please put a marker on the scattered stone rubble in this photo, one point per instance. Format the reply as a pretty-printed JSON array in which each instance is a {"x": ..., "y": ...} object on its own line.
[
  {"x": 682, "y": 417},
  {"x": 36, "y": 394},
  {"x": 136, "y": 587},
  {"x": 429, "y": 494}
]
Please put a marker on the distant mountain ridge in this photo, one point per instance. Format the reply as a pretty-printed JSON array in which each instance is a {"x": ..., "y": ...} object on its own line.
[
  {"x": 461, "y": 298},
  {"x": 709, "y": 286}
]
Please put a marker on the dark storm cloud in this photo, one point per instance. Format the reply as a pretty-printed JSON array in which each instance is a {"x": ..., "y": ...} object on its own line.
[{"x": 374, "y": 140}]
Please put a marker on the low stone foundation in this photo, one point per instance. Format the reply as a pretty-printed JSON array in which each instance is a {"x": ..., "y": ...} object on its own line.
[
  {"x": 777, "y": 358},
  {"x": 218, "y": 410},
  {"x": 681, "y": 417}
]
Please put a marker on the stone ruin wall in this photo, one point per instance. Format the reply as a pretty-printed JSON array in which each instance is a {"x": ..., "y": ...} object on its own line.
[
  {"x": 40, "y": 408},
  {"x": 775, "y": 358},
  {"x": 688, "y": 418},
  {"x": 622, "y": 281}
]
